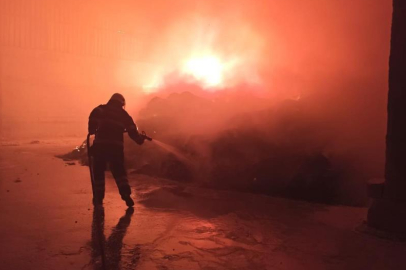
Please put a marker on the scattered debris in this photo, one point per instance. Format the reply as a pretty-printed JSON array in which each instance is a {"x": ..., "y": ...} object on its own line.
[
  {"x": 79, "y": 153},
  {"x": 18, "y": 180},
  {"x": 10, "y": 144}
]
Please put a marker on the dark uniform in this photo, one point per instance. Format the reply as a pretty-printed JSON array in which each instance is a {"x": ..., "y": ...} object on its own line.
[{"x": 108, "y": 122}]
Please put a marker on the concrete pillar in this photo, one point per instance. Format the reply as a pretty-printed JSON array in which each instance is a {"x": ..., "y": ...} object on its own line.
[
  {"x": 1, "y": 94},
  {"x": 388, "y": 212}
]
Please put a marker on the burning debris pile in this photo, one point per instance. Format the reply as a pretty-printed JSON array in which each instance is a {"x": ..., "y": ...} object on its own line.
[{"x": 277, "y": 150}]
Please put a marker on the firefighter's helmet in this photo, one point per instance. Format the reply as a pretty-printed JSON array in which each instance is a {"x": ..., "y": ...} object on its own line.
[{"x": 118, "y": 97}]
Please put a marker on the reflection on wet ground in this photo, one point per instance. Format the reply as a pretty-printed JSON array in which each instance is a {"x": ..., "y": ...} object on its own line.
[
  {"x": 106, "y": 254},
  {"x": 186, "y": 227},
  {"x": 48, "y": 222}
]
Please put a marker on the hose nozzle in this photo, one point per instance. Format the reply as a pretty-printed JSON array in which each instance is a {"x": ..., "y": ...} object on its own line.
[{"x": 144, "y": 135}]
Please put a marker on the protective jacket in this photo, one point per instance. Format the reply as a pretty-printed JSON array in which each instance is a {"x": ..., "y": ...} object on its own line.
[{"x": 109, "y": 121}]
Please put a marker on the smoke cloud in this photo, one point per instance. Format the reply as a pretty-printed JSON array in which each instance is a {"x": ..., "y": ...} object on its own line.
[
  {"x": 308, "y": 74},
  {"x": 330, "y": 55}
]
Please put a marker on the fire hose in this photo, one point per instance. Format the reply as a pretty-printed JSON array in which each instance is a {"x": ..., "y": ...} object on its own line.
[
  {"x": 90, "y": 159},
  {"x": 100, "y": 233}
]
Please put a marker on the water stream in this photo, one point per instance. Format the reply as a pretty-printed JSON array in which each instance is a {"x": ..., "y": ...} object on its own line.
[{"x": 175, "y": 152}]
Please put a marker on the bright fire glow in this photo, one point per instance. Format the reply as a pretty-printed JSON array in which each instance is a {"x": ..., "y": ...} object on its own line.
[{"x": 209, "y": 70}]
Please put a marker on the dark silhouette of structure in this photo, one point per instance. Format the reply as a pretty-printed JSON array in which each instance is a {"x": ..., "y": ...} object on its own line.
[
  {"x": 106, "y": 254},
  {"x": 388, "y": 211}
]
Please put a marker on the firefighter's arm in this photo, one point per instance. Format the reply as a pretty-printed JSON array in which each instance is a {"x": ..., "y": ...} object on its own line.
[
  {"x": 133, "y": 132},
  {"x": 94, "y": 118}
]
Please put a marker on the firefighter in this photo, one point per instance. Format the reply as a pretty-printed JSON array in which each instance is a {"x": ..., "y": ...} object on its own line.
[{"x": 108, "y": 122}]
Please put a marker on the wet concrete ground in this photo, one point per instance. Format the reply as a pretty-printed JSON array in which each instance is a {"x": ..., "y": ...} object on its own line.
[{"x": 48, "y": 222}]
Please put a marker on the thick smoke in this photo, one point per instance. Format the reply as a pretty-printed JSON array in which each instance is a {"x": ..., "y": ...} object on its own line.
[
  {"x": 333, "y": 55},
  {"x": 304, "y": 89},
  {"x": 297, "y": 84}
]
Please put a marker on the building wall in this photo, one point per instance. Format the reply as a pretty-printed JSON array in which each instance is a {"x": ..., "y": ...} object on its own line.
[{"x": 57, "y": 58}]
